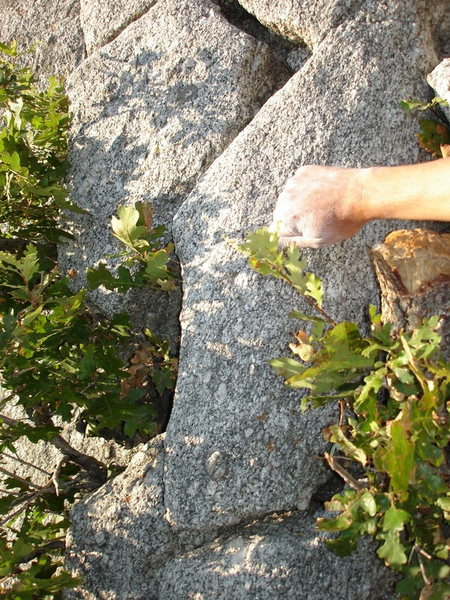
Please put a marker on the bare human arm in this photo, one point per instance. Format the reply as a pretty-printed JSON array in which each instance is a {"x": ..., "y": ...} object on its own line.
[{"x": 325, "y": 205}]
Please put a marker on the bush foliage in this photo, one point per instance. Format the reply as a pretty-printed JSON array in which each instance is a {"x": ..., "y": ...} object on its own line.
[
  {"x": 59, "y": 361},
  {"x": 394, "y": 394}
]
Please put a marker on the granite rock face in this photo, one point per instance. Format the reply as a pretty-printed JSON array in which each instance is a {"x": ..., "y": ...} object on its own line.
[
  {"x": 281, "y": 557},
  {"x": 237, "y": 448},
  {"x": 439, "y": 80},
  {"x": 53, "y": 25},
  {"x": 151, "y": 111},
  {"x": 442, "y": 30},
  {"x": 312, "y": 20},
  {"x": 302, "y": 20},
  {"x": 228, "y": 404},
  {"x": 177, "y": 106}
]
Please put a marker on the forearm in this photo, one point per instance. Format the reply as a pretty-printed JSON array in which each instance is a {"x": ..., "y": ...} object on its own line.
[
  {"x": 415, "y": 192},
  {"x": 324, "y": 205}
]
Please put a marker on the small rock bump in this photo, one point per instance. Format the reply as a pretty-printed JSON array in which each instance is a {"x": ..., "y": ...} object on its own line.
[
  {"x": 216, "y": 465},
  {"x": 100, "y": 538}
]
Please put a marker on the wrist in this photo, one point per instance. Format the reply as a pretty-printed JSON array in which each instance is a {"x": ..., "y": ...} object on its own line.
[
  {"x": 360, "y": 207},
  {"x": 381, "y": 195}
]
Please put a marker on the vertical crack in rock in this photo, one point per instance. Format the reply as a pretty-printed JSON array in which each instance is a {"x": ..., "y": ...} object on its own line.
[
  {"x": 307, "y": 21},
  {"x": 311, "y": 21},
  {"x": 120, "y": 539},
  {"x": 119, "y": 534},
  {"x": 103, "y": 21}
]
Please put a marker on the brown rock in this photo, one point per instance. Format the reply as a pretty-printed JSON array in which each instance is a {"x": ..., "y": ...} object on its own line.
[{"x": 413, "y": 269}]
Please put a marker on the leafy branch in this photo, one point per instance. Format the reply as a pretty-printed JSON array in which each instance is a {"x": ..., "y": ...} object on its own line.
[
  {"x": 434, "y": 135},
  {"x": 146, "y": 262},
  {"x": 33, "y": 153},
  {"x": 264, "y": 256},
  {"x": 394, "y": 392}
]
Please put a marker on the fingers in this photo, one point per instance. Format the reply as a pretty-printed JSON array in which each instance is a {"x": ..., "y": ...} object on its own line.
[
  {"x": 308, "y": 212},
  {"x": 289, "y": 235},
  {"x": 303, "y": 242}
]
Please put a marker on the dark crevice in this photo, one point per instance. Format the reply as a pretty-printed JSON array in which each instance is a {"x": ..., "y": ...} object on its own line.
[
  {"x": 333, "y": 485},
  {"x": 442, "y": 33},
  {"x": 289, "y": 53}
]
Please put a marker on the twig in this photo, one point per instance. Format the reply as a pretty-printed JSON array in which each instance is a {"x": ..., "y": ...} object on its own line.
[
  {"x": 422, "y": 552},
  {"x": 312, "y": 303},
  {"x": 54, "y": 477},
  {"x": 57, "y": 543},
  {"x": 27, "y": 503},
  {"x": 89, "y": 385},
  {"x": 21, "y": 479},
  {"x": 22, "y": 371},
  {"x": 95, "y": 469},
  {"x": 339, "y": 469},
  {"x": 9, "y": 420},
  {"x": 419, "y": 551},
  {"x": 45, "y": 489},
  {"x": 8, "y": 398},
  {"x": 341, "y": 412},
  {"x": 24, "y": 497},
  {"x": 25, "y": 462},
  {"x": 423, "y": 572},
  {"x": 284, "y": 273},
  {"x": 324, "y": 314}
]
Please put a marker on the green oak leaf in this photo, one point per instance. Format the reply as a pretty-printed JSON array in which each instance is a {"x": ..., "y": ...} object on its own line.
[
  {"x": 392, "y": 550},
  {"x": 395, "y": 519}
]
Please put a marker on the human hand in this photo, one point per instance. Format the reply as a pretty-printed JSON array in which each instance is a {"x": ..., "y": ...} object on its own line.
[{"x": 319, "y": 206}]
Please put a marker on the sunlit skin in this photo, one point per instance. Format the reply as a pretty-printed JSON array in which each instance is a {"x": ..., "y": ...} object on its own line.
[{"x": 325, "y": 205}]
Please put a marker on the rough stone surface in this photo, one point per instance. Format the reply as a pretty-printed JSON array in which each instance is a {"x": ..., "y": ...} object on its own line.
[
  {"x": 103, "y": 21},
  {"x": 53, "y": 25},
  {"x": 282, "y": 557},
  {"x": 151, "y": 111},
  {"x": 442, "y": 30},
  {"x": 291, "y": 53},
  {"x": 311, "y": 21},
  {"x": 227, "y": 401},
  {"x": 120, "y": 530},
  {"x": 298, "y": 20},
  {"x": 439, "y": 79},
  {"x": 120, "y": 538}
]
